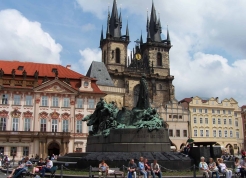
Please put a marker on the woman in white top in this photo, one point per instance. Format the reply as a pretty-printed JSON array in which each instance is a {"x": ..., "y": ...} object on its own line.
[
  {"x": 203, "y": 167},
  {"x": 224, "y": 169},
  {"x": 238, "y": 167}
]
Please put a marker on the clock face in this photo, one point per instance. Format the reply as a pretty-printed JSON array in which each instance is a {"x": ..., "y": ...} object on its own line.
[{"x": 138, "y": 56}]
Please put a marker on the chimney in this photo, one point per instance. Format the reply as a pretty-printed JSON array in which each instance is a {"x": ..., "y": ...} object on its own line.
[{"x": 68, "y": 66}]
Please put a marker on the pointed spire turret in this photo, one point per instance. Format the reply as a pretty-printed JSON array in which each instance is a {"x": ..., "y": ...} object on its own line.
[
  {"x": 115, "y": 22},
  {"x": 141, "y": 39},
  {"x": 127, "y": 32},
  {"x": 147, "y": 25},
  {"x": 120, "y": 20},
  {"x": 154, "y": 26},
  {"x": 101, "y": 34},
  {"x": 168, "y": 37}
]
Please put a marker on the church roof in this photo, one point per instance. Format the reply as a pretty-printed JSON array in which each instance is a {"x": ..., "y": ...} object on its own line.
[{"x": 98, "y": 71}]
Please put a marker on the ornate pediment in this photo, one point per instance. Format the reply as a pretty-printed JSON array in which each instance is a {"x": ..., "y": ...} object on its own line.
[
  {"x": 27, "y": 114},
  {"x": 65, "y": 116},
  {"x": 79, "y": 116},
  {"x": 4, "y": 113},
  {"x": 54, "y": 115},
  {"x": 43, "y": 115},
  {"x": 55, "y": 89},
  {"x": 16, "y": 113}
]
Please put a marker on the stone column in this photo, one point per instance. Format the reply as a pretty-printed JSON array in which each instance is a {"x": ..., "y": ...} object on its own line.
[{"x": 40, "y": 150}]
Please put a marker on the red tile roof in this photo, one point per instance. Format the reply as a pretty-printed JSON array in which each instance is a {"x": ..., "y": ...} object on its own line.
[
  {"x": 188, "y": 100},
  {"x": 43, "y": 69}
]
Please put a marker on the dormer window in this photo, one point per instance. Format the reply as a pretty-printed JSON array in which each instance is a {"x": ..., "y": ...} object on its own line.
[
  {"x": 54, "y": 70},
  {"x": 86, "y": 84},
  {"x": 20, "y": 68}
]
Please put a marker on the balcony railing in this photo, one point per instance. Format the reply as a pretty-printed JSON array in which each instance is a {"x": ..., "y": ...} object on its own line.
[{"x": 36, "y": 134}]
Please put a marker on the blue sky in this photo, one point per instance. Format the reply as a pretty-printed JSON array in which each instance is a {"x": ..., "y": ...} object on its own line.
[{"x": 208, "y": 38}]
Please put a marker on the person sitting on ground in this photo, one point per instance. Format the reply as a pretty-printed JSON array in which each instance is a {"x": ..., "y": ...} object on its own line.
[
  {"x": 141, "y": 167},
  {"x": 213, "y": 168},
  {"x": 103, "y": 167},
  {"x": 238, "y": 167},
  {"x": 203, "y": 167},
  {"x": 147, "y": 167},
  {"x": 39, "y": 166},
  {"x": 47, "y": 167},
  {"x": 21, "y": 168},
  {"x": 155, "y": 169},
  {"x": 132, "y": 169},
  {"x": 223, "y": 168}
]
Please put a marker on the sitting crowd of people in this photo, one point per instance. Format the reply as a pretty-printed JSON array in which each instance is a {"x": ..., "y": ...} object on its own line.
[{"x": 41, "y": 167}]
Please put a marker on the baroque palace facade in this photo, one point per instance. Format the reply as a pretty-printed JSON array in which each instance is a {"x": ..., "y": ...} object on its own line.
[
  {"x": 41, "y": 108},
  {"x": 216, "y": 121}
]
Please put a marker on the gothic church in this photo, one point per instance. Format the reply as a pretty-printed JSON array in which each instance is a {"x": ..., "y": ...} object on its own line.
[{"x": 150, "y": 58}]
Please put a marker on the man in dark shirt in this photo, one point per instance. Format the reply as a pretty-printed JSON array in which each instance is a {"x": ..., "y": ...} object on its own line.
[{"x": 132, "y": 168}]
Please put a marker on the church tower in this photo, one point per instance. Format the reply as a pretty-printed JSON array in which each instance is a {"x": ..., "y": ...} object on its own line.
[
  {"x": 150, "y": 58},
  {"x": 114, "y": 46}
]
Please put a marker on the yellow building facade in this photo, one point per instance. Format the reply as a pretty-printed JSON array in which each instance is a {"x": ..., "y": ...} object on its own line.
[{"x": 216, "y": 121}]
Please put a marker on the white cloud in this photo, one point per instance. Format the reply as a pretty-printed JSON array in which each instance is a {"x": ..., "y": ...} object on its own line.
[
  {"x": 88, "y": 27},
  {"x": 88, "y": 55},
  {"x": 24, "y": 40}
]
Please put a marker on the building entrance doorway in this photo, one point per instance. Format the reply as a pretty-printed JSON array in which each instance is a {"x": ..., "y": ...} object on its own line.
[{"x": 53, "y": 148}]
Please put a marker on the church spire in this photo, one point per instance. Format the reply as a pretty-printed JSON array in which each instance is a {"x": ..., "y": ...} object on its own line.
[
  {"x": 154, "y": 26},
  {"x": 168, "y": 37},
  {"x": 101, "y": 34},
  {"x": 141, "y": 39},
  {"x": 115, "y": 22},
  {"x": 127, "y": 32}
]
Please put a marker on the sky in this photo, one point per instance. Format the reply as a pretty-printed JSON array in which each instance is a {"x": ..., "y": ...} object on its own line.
[{"x": 208, "y": 57}]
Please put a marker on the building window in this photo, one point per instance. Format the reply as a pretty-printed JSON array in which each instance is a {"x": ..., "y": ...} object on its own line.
[
  {"x": 27, "y": 124},
  {"x": 206, "y": 120},
  {"x": 2, "y": 150},
  {"x": 13, "y": 151},
  {"x": 194, "y": 109},
  {"x": 117, "y": 59},
  {"x": 214, "y": 121},
  {"x": 200, "y": 110},
  {"x": 43, "y": 125},
  {"x": 235, "y": 114},
  {"x": 65, "y": 125},
  {"x": 201, "y": 121},
  {"x": 170, "y": 116},
  {"x": 220, "y": 135},
  {"x": 66, "y": 102},
  {"x": 230, "y": 122},
  {"x": 225, "y": 133},
  {"x": 213, "y": 111},
  {"x": 206, "y": 110},
  {"x": 236, "y": 123},
  {"x": 55, "y": 101},
  {"x": 17, "y": 99},
  {"x": 180, "y": 117},
  {"x": 44, "y": 101},
  {"x": 229, "y": 112},
  {"x": 224, "y": 112},
  {"x": 25, "y": 151},
  {"x": 15, "y": 124},
  {"x": 54, "y": 125},
  {"x": 195, "y": 133},
  {"x": 160, "y": 87},
  {"x": 2, "y": 124},
  {"x": 5, "y": 99},
  {"x": 91, "y": 103},
  {"x": 79, "y": 103},
  {"x": 194, "y": 120},
  {"x": 218, "y": 111},
  {"x": 28, "y": 100},
  {"x": 201, "y": 133},
  {"x": 224, "y": 121},
  {"x": 214, "y": 133},
  {"x": 159, "y": 59},
  {"x": 207, "y": 133},
  {"x": 231, "y": 133},
  {"x": 184, "y": 133},
  {"x": 219, "y": 121},
  {"x": 175, "y": 116},
  {"x": 170, "y": 133},
  {"x": 177, "y": 133},
  {"x": 237, "y": 134},
  {"x": 79, "y": 126}
]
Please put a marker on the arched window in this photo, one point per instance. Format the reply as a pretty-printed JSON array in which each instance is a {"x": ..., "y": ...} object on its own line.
[
  {"x": 159, "y": 59},
  {"x": 160, "y": 87},
  {"x": 117, "y": 56},
  {"x": 136, "y": 93},
  {"x": 104, "y": 57}
]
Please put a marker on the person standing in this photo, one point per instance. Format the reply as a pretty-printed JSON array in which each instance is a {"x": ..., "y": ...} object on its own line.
[
  {"x": 132, "y": 169},
  {"x": 141, "y": 167},
  {"x": 155, "y": 169}
]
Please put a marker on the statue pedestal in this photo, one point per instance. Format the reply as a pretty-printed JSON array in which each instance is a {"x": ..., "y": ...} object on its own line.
[{"x": 130, "y": 140}]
